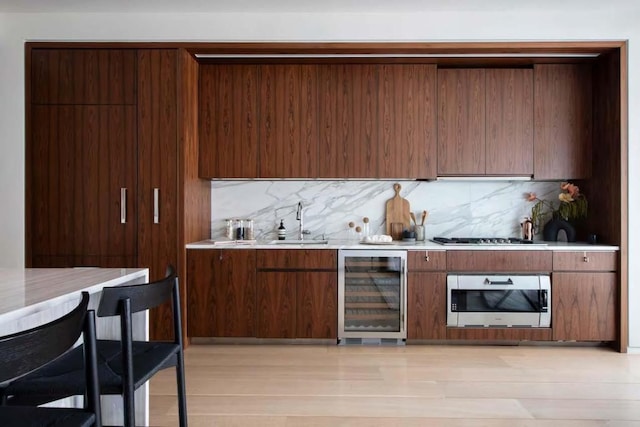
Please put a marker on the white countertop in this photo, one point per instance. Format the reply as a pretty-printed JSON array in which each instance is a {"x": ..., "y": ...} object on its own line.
[
  {"x": 424, "y": 246},
  {"x": 24, "y": 291}
]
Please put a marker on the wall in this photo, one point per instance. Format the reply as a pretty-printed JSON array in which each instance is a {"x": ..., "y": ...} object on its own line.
[
  {"x": 612, "y": 20},
  {"x": 468, "y": 208}
]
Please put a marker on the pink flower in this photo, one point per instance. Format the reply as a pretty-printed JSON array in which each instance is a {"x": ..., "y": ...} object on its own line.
[{"x": 531, "y": 197}]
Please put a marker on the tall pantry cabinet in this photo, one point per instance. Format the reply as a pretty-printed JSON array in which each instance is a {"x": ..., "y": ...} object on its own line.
[{"x": 112, "y": 161}]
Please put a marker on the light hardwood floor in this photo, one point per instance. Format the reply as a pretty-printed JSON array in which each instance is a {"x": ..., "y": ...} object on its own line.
[{"x": 416, "y": 385}]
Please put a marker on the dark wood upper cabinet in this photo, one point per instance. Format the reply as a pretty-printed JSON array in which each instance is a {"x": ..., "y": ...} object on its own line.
[
  {"x": 461, "y": 122},
  {"x": 509, "y": 122},
  {"x": 563, "y": 116},
  {"x": 229, "y": 121},
  {"x": 83, "y": 76},
  {"x": 288, "y": 121},
  {"x": 348, "y": 115},
  {"x": 485, "y": 122},
  {"x": 406, "y": 121}
]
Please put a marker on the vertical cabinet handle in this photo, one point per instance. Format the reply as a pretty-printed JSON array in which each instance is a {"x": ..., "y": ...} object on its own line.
[
  {"x": 156, "y": 206},
  {"x": 123, "y": 205}
]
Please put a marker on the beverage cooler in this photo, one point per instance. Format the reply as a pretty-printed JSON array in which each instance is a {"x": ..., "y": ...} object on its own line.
[{"x": 372, "y": 294}]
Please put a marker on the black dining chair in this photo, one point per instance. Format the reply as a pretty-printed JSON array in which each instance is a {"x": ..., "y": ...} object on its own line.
[
  {"x": 123, "y": 365},
  {"x": 38, "y": 348}
]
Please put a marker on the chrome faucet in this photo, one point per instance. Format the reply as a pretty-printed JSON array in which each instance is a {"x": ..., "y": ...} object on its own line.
[{"x": 300, "y": 217}]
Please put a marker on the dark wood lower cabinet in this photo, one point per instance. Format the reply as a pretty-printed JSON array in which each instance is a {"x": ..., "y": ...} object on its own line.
[
  {"x": 221, "y": 292},
  {"x": 427, "y": 306},
  {"x": 276, "y": 304},
  {"x": 584, "y": 306},
  {"x": 317, "y": 310},
  {"x": 294, "y": 304}
]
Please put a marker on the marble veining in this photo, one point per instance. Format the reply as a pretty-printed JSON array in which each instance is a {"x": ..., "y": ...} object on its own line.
[{"x": 456, "y": 208}]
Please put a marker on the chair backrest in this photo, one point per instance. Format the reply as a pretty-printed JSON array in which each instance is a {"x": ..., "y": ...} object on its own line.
[
  {"x": 142, "y": 297},
  {"x": 22, "y": 352},
  {"x": 124, "y": 300}
]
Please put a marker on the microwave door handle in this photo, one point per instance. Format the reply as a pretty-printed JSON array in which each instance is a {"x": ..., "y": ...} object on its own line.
[{"x": 488, "y": 281}]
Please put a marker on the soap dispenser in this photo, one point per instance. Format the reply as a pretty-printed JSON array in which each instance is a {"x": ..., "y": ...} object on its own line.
[{"x": 282, "y": 232}]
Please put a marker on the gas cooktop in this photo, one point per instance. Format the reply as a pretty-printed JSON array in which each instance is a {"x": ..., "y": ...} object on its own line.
[{"x": 482, "y": 241}]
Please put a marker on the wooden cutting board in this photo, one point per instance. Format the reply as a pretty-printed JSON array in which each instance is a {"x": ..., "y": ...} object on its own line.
[{"x": 397, "y": 218}]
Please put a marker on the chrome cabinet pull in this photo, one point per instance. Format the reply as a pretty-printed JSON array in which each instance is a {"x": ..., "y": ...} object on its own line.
[
  {"x": 123, "y": 205},
  {"x": 426, "y": 256},
  {"x": 585, "y": 258},
  {"x": 156, "y": 206}
]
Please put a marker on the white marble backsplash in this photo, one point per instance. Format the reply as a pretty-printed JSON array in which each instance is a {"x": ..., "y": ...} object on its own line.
[{"x": 456, "y": 208}]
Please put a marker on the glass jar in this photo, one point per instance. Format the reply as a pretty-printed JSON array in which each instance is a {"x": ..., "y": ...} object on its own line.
[
  {"x": 248, "y": 230},
  {"x": 228, "y": 229},
  {"x": 238, "y": 226}
]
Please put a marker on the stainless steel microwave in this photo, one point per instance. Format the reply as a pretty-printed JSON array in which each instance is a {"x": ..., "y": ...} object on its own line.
[{"x": 516, "y": 301}]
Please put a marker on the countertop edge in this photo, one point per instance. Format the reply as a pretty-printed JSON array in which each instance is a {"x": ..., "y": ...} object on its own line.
[{"x": 334, "y": 245}]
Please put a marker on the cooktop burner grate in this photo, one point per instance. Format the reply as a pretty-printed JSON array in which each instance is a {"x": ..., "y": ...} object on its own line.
[{"x": 480, "y": 241}]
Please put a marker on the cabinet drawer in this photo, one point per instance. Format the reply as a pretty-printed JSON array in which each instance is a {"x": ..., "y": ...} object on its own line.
[
  {"x": 584, "y": 261},
  {"x": 427, "y": 260},
  {"x": 296, "y": 259},
  {"x": 497, "y": 261}
]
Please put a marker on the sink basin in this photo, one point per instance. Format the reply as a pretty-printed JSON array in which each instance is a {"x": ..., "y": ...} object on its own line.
[{"x": 298, "y": 242}]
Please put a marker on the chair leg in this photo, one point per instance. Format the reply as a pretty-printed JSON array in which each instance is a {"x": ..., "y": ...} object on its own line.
[{"x": 182, "y": 393}]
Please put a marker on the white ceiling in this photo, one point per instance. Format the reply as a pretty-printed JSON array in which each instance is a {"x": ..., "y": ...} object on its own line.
[{"x": 300, "y": 6}]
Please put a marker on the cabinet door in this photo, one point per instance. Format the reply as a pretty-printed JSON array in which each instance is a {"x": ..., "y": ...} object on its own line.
[
  {"x": 228, "y": 121},
  {"x": 461, "y": 122},
  {"x": 584, "y": 306},
  {"x": 158, "y": 173},
  {"x": 221, "y": 290},
  {"x": 348, "y": 105},
  {"x": 406, "y": 121},
  {"x": 81, "y": 158},
  {"x": 276, "y": 304},
  {"x": 427, "y": 306},
  {"x": 509, "y": 122},
  {"x": 317, "y": 305},
  {"x": 83, "y": 76},
  {"x": 288, "y": 121},
  {"x": 563, "y": 115}
]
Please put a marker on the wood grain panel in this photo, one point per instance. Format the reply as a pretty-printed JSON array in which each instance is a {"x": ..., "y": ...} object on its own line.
[
  {"x": 276, "y": 292},
  {"x": 605, "y": 209},
  {"x": 585, "y": 261},
  {"x": 584, "y": 306},
  {"x": 297, "y": 259},
  {"x": 563, "y": 116},
  {"x": 82, "y": 156},
  {"x": 406, "y": 121},
  {"x": 317, "y": 305},
  {"x": 158, "y": 168},
  {"x": 289, "y": 137},
  {"x": 83, "y": 76},
  {"x": 348, "y": 110},
  {"x": 608, "y": 212},
  {"x": 194, "y": 194},
  {"x": 427, "y": 260},
  {"x": 221, "y": 293},
  {"x": 499, "y": 334},
  {"x": 229, "y": 121},
  {"x": 499, "y": 261},
  {"x": 427, "y": 306},
  {"x": 461, "y": 121},
  {"x": 509, "y": 122}
]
